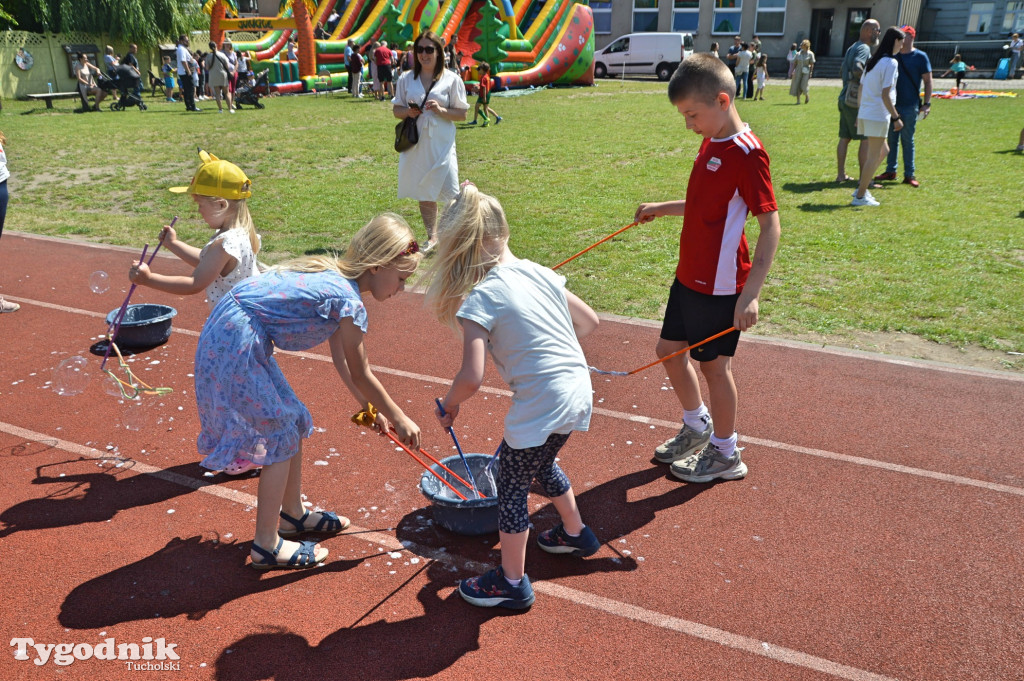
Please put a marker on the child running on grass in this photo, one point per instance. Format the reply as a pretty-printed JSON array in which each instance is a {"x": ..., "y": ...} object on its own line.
[
  {"x": 219, "y": 189},
  {"x": 716, "y": 285},
  {"x": 483, "y": 96},
  {"x": 523, "y": 314},
  {"x": 959, "y": 69},
  {"x": 247, "y": 408}
]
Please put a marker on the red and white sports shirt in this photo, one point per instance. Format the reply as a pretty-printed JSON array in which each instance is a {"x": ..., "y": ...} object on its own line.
[{"x": 730, "y": 178}]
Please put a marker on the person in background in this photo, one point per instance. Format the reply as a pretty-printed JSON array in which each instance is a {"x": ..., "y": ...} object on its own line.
[
  {"x": 803, "y": 67},
  {"x": 791, "y": 57},
  {"x": 761, "y": 70},
  {"x": 6, "y": 305},
  {"x": 731, "y": 55},
  {"x": 110, "y": 60},
  {"x": 1016, "y": 49},
  {"x": 878, "y": 108},
  {"x": 741, "y": 66},
  {"x": 713, "y": 49},
  {"x": 185, "y": 70},
  {"x": 850, "y": 73},
  {"x": 385, "y": 58},
  {"x": 915, "y": 68},
  {"x": 86, "y": 74},
  {"x": 958, "y": 68},
  {"x": 233, "y": 58},
  {"x": 754, "y": 46},
  {"x": 131, "y": 60},
  {"x": 167, "y": 71}
]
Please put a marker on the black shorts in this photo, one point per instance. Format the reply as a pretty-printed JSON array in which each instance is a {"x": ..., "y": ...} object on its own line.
[
  {"x": 690, "y": 317},
  {"x": 384, "y": 73}
]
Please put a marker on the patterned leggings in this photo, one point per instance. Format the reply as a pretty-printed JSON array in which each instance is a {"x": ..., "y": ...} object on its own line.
[{"x": 518, "y": 469}]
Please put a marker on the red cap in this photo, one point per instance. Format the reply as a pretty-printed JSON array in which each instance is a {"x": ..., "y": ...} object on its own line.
[{"x": 910, "y": 30}]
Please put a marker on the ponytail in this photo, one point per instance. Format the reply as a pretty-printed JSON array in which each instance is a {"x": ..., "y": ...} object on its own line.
[{"x": 471, "y": 237}]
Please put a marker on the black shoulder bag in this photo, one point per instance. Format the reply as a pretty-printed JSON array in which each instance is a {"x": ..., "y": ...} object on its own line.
[{"x": 406, "y": 132}]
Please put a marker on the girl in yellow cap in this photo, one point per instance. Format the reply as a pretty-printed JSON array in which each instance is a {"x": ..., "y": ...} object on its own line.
[{"x": 219, "y": 189}]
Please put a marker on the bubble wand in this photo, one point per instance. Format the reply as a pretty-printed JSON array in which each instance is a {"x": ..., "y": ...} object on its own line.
[
  {"x": 614, "y": 234},
  {"x": 458, "y": 448},
  {"x": 115, "y": 325}
]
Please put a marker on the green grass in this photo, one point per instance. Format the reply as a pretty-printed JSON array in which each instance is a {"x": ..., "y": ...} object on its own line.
[{"x": 944, "y": 262}]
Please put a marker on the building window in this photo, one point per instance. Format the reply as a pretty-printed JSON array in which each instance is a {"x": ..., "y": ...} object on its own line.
[
  {"x": 1013, "y": 20},
  {"x": 645, "y": 16},
  {"x": 602, "y": 17},
  {"x": 980, "y": 19},
  {"x": 771, "y": 17},
  {"x": 685, "y": 15},
  {"x": 726, "y": 19}
]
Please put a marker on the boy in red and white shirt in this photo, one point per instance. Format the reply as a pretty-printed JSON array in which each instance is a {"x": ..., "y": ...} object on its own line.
[{"x": 717, "y": 283}]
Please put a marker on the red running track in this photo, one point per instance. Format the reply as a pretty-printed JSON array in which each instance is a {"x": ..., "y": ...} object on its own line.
[{"x": 878, "y": 534}]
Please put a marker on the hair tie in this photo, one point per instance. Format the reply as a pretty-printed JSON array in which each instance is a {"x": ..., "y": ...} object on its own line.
[
  {"x": 412, "y": 249},
  {"x": 467, "y": 183}
]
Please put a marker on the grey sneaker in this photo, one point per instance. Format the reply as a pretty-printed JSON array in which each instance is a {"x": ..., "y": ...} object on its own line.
[
  {"x": 710, "y": 464},
  {"x": 686, "y": 442}
]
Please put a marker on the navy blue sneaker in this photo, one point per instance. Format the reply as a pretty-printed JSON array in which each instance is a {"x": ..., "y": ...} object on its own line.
[
  {"x": 492, "y": 589},
  {"x": 556, "y": 540}
]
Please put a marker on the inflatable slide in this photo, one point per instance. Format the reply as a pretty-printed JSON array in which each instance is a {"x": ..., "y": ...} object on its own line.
[{"x": 526, "y": 42}]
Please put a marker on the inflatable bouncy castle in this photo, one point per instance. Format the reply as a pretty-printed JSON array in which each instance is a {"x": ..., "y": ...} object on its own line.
[{"x": 526, "y": 42}]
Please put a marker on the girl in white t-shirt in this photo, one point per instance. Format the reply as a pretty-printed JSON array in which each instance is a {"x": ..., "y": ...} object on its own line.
[
  {"x": 521, "y": 313},
  {"x": 762, "y": 76},
  {"x": 877, "y": 108},
  {"x": 219, "y": 189}
]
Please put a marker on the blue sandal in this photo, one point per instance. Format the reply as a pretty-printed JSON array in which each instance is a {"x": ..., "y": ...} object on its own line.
[
  {"x": 304, "y": 558},
  {"x": 330, "y": 523}
]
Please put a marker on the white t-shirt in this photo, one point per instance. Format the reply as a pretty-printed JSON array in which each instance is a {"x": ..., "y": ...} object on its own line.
[
  {"x": 743, "y": 58},
  {"x": 534, "y": 347},
  {"x": 236, "y": 244},
  {"x": 884, "y": 75},
  {"x": 183, "y": 57},
  {"x": 4, "y": 173}
]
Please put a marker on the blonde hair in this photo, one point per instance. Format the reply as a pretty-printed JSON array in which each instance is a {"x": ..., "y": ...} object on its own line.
[
  {"x": 3, "y": 138},
  {"x": 385, "y": 240},
  {"x": 805, "y": 43},
  {"x": 468, "y": 233},
  {"x": 242, "y": 219}
]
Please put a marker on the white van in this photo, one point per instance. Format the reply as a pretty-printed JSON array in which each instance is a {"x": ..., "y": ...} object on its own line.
[{"x": 644, "y": 54}]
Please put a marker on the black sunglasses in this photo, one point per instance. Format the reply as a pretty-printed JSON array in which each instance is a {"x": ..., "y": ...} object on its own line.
[{"x": 425, "y": 49}]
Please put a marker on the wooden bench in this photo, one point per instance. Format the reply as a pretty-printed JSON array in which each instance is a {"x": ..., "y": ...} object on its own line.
[{"x": 49, "y": 97}]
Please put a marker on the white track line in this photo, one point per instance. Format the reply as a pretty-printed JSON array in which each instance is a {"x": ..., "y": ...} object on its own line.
[
  {"x": 607, "y": 605},
  {"x": 623, "y": 416}
]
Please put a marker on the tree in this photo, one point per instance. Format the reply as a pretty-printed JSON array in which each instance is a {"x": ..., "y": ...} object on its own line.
[{"x": 141, "y": 21}]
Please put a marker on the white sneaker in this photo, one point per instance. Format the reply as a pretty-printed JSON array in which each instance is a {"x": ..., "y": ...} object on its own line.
[
  {"x": 868, "y": 200},
  {"x": 867, "y": 194}
]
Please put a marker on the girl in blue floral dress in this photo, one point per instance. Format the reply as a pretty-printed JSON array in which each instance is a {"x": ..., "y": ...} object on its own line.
[{"x": 246, "y": 407}]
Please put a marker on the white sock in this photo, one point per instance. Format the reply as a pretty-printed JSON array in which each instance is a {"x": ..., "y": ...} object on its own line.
[
  {"x": 698, "y": 418},
  {"x": 727, "y": 446},
  {"x": 570, "y": 534},
  {"x": 514, "y": 582}
]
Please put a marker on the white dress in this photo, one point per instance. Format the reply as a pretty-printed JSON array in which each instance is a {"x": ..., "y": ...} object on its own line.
[
  {"x": 236, "y": 244},
  {"x": 429, "y": 170}
]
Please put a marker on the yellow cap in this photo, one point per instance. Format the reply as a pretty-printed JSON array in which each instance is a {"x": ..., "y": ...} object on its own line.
[{"x": 217, "y": 178}]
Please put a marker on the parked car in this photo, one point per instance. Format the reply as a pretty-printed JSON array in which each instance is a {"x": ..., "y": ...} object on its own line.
[{"x": 644, "y": 54}]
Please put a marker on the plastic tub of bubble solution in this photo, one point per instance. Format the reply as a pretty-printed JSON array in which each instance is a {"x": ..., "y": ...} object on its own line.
[
  {"x": 144, "y": 325},
  {"x": 474, "y": 516}
]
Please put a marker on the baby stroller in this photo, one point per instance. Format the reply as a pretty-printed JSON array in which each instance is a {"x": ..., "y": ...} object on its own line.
[
  {"x": 127, "y": 84},
  {"x": 250, "y": 94}
]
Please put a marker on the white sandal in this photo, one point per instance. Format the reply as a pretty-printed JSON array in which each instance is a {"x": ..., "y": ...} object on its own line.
[{"x": 8, "y": 306}]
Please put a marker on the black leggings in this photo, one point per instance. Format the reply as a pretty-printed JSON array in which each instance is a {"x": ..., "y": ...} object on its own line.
[
  {"x": 3, "y": 205},
  {"x": 518, "y": 469}
]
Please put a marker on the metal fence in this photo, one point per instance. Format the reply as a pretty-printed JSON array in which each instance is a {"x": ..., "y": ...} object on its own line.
[{"x": 983, "y": 55}]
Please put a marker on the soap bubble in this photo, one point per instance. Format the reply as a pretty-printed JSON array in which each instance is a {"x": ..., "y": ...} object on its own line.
[
  {"x": 99, "y": 281},
  {"x": 137, "y": 415},
  {"x": 71, "y": 376},
  {"x": 112, "y": 387}
]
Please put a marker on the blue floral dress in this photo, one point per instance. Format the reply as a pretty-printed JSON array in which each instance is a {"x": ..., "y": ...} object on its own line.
[{"x": 243, "y": 398}]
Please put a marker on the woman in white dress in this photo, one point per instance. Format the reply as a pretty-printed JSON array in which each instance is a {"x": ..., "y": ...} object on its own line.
[
  {"x": 218, "y": 73},
  {"x": 429, "y": 171}
]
